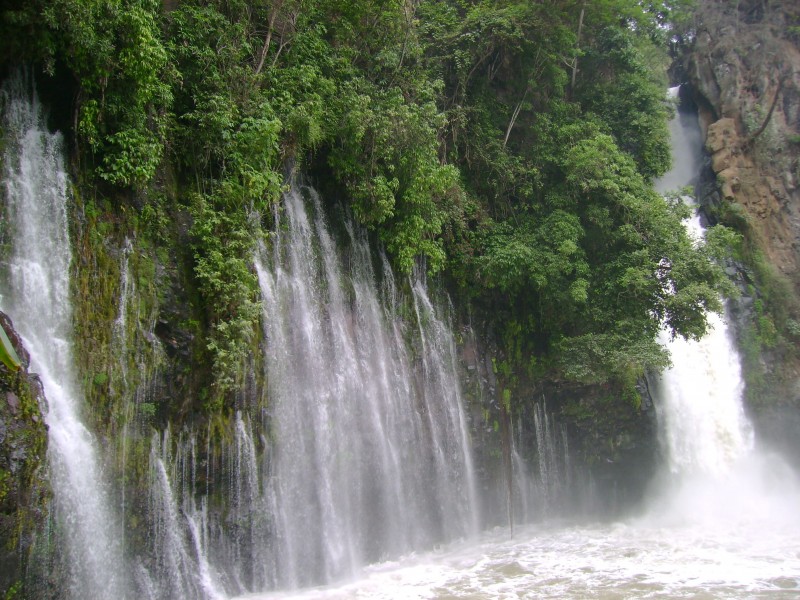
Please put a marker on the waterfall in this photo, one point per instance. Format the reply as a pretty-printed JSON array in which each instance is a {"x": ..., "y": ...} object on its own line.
[
  {"x": 543, "y": 485},
  {"x": 36, "y": 296},
  {"x": 180, "y": 533},
  {"x": 370, "y": 450},
  {"x": 704, "y": 426},
  {"x": 716, "y": 472}
]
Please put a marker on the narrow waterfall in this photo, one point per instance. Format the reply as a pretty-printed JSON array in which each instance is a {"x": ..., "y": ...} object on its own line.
[
  {"x": 716, "y": 472},
  {"x": 36, "y": 296},
  {"x": 180, "y": 533},
  {"x": 544, "y": 488},
  {"x": 705, "y": 429},
  {"x": 370, "y": 452}
]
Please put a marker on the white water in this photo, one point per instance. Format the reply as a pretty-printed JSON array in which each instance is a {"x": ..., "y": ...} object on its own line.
[
  {"x": 704, "y": 426},
  {"x": 723, "y": 520},
  {"x": 371, "y": 453},
  {"x": 35, "y": 294}
]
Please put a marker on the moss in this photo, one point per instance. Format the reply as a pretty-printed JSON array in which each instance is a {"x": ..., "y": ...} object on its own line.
[
  {"x": 5, "y": 484},
  {"x": 15, "y": 591},
  {"x": 24, "y": 492}
]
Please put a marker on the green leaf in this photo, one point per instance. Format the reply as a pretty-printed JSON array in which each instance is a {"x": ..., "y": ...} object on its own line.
[{"x": 7, "y": 353}]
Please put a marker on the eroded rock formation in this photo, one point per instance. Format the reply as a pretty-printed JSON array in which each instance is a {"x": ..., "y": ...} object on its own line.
[{"x": 745, "y": 71}]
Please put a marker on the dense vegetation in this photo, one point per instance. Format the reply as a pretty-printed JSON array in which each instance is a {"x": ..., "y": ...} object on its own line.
[{"x": 509, "y": 145}]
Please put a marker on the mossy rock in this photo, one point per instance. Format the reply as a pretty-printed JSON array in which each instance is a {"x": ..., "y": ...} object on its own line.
[{"x": 24, "y": 491}]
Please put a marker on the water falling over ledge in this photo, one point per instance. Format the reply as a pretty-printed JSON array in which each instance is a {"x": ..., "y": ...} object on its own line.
[
  {"x": 371, "y": 454},
  {"x": 360, "y": 465},
  {"x": 715, "y": 474},
  {"x": 36, "y": 296},
  {"x": 730, "y": 535}
]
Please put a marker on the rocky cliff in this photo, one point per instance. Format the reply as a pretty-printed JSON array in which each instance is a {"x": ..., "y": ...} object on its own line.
[
  {"x": 742, "y": 63},
  {"x": 743, "y": 66},
  {"x": 23, "y": 442}
]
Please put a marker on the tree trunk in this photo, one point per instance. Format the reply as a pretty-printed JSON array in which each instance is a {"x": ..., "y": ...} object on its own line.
[
  {"x": 514, "y": 116},
  {"x": 578, "y": 46},
  {"x": 265, "y": 49}
]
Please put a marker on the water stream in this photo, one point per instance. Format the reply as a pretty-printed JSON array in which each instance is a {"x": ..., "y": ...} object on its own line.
[{"x": 35, "y": 293}]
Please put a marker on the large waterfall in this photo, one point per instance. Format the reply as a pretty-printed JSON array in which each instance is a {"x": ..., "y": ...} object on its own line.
[
  {"x": 371, "y": 450},
  {"x": 722, "y": 522},
  {"x": 35, "y": 294},
  {"x": 353, "y": 473},
  {"x": 362, "y": 452},
  {"x": 716, "y": 473},
  {"x": 704, "y": 427}
]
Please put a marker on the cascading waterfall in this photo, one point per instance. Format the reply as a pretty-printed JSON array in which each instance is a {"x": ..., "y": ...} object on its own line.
[
  {"x": 36, "y": 296},
  {"x": 723, "y": 524},
  {"x": 716, "y": 473},
  {"x": 371, "y": 453},
  {"x": 363, "y": 451},
  {"x": 180, "y": 532},
  {"x": 543, "y": 488},
  {"x": 704, "y": 426}
]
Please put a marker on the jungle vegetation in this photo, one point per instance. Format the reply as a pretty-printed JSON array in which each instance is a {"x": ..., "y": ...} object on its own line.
[{"x": 509, "y": 146}]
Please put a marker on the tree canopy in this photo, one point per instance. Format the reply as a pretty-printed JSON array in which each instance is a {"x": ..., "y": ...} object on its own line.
[{"x": 510, "y": 145}]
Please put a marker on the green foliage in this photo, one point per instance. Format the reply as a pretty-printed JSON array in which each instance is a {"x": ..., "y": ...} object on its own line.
[
  {"x": 509, "y": 144},
  {"x": 211, "y": 52},
  {"x": 402, "y": 185},
  {"x": 222, "y": 248},
  {"x": 115, "y": 51},
  {"x": 8, "y": 355},
  {"x": 599, "y": 263},
  {"x": 724, "y": 242},
  {"x": 147, "y": 410},
  {"x": 14, "y": 591},
  {"x": 229, "y": 138},
  {"x": 622, "y": 89}
]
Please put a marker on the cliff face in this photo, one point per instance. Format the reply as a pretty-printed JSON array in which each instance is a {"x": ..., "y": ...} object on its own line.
[
  {"x": 743, "y": 67},
  {"x": 741, "y": 63}
]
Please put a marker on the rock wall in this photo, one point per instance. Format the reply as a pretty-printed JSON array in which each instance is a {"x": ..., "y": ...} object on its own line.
[
  {"x": 742, "y": 64},
  {"x": 744, "y": 55},
  {"x": 23, "y": 445}
]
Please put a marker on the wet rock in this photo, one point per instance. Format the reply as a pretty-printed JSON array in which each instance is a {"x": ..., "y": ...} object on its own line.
[
  {"x": 23, "y": 444},
  {"x": 13, "y": 402}
]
